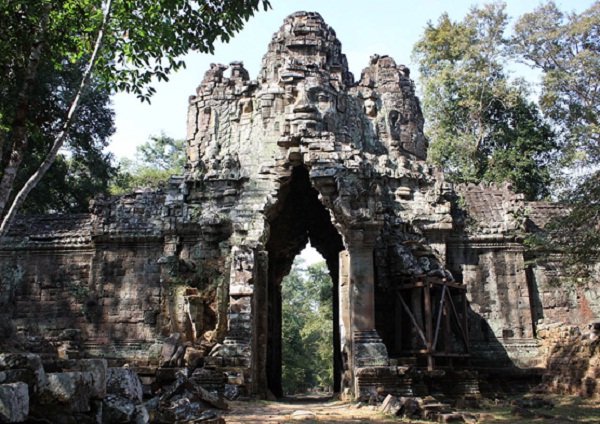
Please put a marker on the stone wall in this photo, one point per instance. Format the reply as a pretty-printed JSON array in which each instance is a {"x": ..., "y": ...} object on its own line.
[
  {"x": 572, "y": 355},
  {"x": 511, "y": 295},
  {"x": 558, "y": 299},
  {"x": 116, "y": 282}
]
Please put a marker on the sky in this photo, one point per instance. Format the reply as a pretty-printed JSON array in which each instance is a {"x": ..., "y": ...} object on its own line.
[{"x": 384, "y": 27}]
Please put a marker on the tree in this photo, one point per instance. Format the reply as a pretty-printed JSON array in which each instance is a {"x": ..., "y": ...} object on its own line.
[
  {"x": 155, "y": 162},
  {"x": 566, "y": 48},
  {"x": 82, "y": 170},
  {"x": 69, "y": 185},
  {"x": 318, "y": 330},
  {"x": 128, "y": 44},
  {"x": 295, "y": 361},
  {"x": 479, "y": 121},
  {"x": 307, "y": 328},
  {"x": 572, "y": 239}
]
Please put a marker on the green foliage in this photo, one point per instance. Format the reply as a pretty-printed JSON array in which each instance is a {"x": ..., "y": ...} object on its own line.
[
  {"x": 566, "y": 48},
  {"x": 144, "y": 39},
  {"x": 307, "y": 327},
  {"x": 483, "y": 128},
  {"x": 127, "y": 44},
  {"x": 518, "y": 149},
  {"x": 573, "y": 240},
  {"x": 83, "y": 170},
  {"x": 155, "y": 162},
  {"x": 70, "y": 184},
  {"x": 479, "y": 121}
]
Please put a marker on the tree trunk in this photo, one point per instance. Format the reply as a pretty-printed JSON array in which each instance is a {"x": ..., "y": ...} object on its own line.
[
  {"x": 60, "y": 138},
  {"x": 19, "y": 125}
]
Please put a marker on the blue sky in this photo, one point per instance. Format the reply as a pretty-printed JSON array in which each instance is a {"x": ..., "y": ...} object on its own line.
[{"x": 365, "y": 28}]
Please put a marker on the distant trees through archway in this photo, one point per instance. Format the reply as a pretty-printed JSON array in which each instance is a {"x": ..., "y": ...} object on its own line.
[{"x": 307, "y": 328}]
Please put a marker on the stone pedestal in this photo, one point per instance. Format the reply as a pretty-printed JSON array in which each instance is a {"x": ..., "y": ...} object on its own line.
[{"x": 369, "y": 349}]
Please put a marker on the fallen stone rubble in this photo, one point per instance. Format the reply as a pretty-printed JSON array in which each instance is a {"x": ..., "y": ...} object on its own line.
[
  {"x": 427, "y": 408},
  {"x": 88, "y": 391},
  {"x": 431, "y": 409}
]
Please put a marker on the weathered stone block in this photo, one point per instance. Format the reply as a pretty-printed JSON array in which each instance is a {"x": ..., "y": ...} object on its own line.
[
  {"x": 124, "y": 383},
  {"x": 73, "y": 390},
  {"x": 193, "y": 357},
  {"x": 26, "y": 368},
  {"x": 213, "y": 361},
  {"x": 169, "y": 348},
  {"x": 98, "y": 369},
  {"x": 391, "y": 405},
  {"x": 117, "y": 409},
  {"x": 14, "y": 402},
  {"x": 170, "y": 374}
]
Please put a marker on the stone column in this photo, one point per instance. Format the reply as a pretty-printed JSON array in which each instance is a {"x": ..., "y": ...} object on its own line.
[
  {"x": 236, "y": 350},
  {"x": 368, "y": 348},
  {"x": 261, "y": 326},
  {"x": 345, "y": 321}
]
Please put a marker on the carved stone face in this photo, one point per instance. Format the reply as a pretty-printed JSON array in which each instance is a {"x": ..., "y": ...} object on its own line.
[
  {"x": 312, "y": 110},
  {"x": 304, "y": 70},
  {"x": 370, "y": 107}
]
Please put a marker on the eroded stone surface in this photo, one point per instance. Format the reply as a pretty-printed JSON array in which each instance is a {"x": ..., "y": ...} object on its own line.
[
  {"x": 124, "y": 383},
  {"x": 14, "y": 402},
  {"x": 70, "y": 390}
]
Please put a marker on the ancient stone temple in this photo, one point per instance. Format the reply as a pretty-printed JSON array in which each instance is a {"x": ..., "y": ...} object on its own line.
[{"x": 424, "y": 273}]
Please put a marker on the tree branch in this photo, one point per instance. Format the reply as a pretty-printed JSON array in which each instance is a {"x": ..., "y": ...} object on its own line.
[{"x": 60, "y": 138}]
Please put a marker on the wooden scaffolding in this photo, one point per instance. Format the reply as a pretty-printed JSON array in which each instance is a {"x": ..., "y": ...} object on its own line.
[{"x": 437, "y": 310}]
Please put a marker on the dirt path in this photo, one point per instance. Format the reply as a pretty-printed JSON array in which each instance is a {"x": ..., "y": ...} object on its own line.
[
  {"x": 323, "y": 410},
  {"x": 304, "y": 409}
]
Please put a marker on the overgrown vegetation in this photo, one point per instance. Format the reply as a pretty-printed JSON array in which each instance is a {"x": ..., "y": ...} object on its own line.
[
  {"x": 480, "y": 121},
  {"x": 565, "y": 47},
  {"x": 484, "y": 126},
  {"x": 121, "y": 45},
  {"x": 155, "y": 161},
  {"x": 307, "y": 327},
  {"x": 82, "y": 170}
]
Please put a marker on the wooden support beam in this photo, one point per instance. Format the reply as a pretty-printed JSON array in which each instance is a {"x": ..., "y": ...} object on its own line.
[
  {"x": 460, "y": 326},
  {"x": 439, "y": 318},
  {"x": 412, "y": 318},
  {"x": 430, "y": 334},
  {"x": 428, "y": 326}
]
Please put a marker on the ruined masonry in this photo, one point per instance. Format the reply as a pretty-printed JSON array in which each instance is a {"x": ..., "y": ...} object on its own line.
[{"x": 425, "y": 274}]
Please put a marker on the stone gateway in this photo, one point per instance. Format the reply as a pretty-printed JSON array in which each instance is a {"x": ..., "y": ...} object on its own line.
[{"x": 189, "y": 275}]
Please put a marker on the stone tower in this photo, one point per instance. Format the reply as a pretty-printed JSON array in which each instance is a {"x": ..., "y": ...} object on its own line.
[{"x": 303, "y": 154}]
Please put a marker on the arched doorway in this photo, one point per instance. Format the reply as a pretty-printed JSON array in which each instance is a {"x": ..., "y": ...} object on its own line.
[{"x": 299, "y": 217}]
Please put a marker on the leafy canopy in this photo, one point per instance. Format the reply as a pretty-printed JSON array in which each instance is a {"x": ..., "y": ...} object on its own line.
[
  {"x": 144, "y": 40},
  {"x": 479, "y": 121},
  {"x": 565, "y": 47},
  {"x": 155, "y": 162},
  {"x": 82, "y": 170},
  {"x": 127, "y": 44}
]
